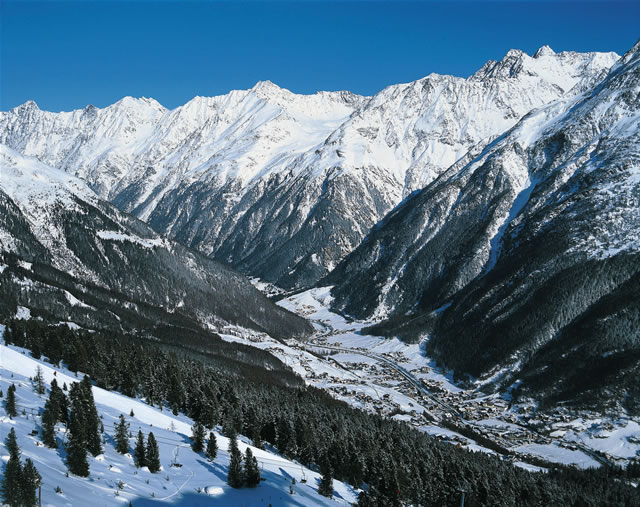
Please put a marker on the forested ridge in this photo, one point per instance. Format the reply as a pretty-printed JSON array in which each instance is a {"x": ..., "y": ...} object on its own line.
[{"x": 394, "y": 463}]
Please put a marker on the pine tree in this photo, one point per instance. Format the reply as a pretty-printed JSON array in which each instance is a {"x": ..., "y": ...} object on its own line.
[
  {"x": 12, "y": 482},
  {"x": 251, "y": 469},
  {"x": 77, "y": 456},
  {"x": 326, "y": 482},
  {"x": 10, "y": 402},
  {"x": 12, "y": 479},
  {"x": 31, "y": 480},
  {"x": 153, "y": 454},
  {"x": 58, "y": 397},
  {"x": 235, "y": 478},
  {"x": 12, "y": 444},
  {"x": 122, "y": 436},
  {"x": 38, "y": 381},
  {"x": 140, "y": 451},
  {"x": 94, "y": 442},
  {"x": 49, "y": 425},
  {"x": 77, "y": 445},
  {"x": 197, "y": 437},
  {"x": 212, "y": 447},
  {"x": 52, "y": 414}
]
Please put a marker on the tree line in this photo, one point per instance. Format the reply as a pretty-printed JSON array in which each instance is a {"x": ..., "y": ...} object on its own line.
[{"x": 393, "y": 463}]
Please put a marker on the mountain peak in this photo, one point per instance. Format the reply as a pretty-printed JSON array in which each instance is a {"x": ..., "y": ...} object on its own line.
[
  {"x": 130, "y": 102},
  {"x": 509, "y": 66},
  {"x": 266, "y": 86},
  {"x": 514, "y": 53},
  {"x": 544, "y": 51},
  {"x": 29, "y": 105}
]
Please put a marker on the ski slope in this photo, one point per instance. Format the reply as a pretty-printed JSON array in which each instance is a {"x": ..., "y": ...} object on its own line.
[{"x": 197, "y": 482}]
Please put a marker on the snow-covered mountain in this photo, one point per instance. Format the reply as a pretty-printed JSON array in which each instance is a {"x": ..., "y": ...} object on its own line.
[
  {"x": 66, "y": 254},
  {"x": 524, "y": 254},
  {"x": 283, "y": 186}
]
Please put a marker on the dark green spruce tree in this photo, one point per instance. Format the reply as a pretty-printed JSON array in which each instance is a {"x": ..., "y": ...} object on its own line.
[
  {"x": 122, "y": 435},
  {"x": 140, "y": 452},
  {"x": 94, "y": 441},
  {"x": 31, "y": 480},
  {"x": 153, "y": 454},
  {"x": 212, "y": 447},
  {"x": 10, "y": 402},
  {"x": 12, "y": 443},
  {"x": 78, "y": 425},
  {"x": 197, "y": 437},
  {"x": 49, "y": 425},
  {"x": 326, "y": 481},
  {"x": 235, "y": 478},
  {"x": 12, "y": 478},
  {"x": 251, "y": 469},
  {"x": 58, "y": 397},
  {"x": 53, "y": 412}
]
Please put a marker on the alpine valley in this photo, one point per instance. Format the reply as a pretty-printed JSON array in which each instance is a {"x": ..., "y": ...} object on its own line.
[{"x": 340, "y": 283}]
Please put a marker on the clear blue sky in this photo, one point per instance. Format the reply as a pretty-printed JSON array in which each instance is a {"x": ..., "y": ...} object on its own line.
[{"x": 65, "y": 55}]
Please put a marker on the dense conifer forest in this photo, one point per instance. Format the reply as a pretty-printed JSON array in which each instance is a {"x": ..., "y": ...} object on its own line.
[{"x": 392, "y": 462}]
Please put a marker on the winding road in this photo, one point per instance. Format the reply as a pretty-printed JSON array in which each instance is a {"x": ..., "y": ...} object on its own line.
[{"x": 420, "y": 387}]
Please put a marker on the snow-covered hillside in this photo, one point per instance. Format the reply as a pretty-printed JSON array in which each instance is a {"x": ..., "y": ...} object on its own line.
[
  {"x": 283, "y": 186},
  {"x": 66, "y": 253},
  {"x": 196, "y": 482},
  {"x": 525, "y": 251}
]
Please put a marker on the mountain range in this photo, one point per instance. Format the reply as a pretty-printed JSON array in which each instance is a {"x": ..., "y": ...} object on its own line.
[
  {"x": 283, "y": 186},
  {"x": 68, "y": 256}
]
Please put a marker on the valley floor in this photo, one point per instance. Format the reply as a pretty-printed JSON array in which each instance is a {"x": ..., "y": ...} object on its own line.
[{"x": 395, "y": 379}]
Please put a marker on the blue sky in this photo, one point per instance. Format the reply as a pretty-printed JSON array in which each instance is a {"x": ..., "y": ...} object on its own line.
[{"x": 65, "y": 55}]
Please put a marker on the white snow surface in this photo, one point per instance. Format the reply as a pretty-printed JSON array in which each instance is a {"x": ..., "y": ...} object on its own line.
[
  {"x": 118, "y": 236},
  {"x": 27, "y": 180},
  {"x": 412, "y": 130},
  {"x": 175, "y": 486},
  {"x": 553, "y": 452}
]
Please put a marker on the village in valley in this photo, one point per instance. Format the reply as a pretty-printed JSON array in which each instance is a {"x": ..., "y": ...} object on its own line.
[{"x": 394, "y": 379}]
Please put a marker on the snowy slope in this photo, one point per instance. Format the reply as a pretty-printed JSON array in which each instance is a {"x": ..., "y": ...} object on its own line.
[
  {"x": 533, "y": 238},
  {"x": 172, "y": 485},
  {"x": 283, "y": 186},
  {"x": 71, "y": 256}
]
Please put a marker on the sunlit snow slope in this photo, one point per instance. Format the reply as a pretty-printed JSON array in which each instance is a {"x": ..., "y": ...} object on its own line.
[{"x": 197, "y": 482}]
